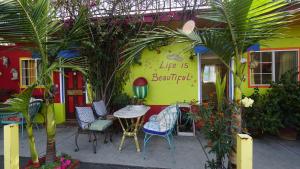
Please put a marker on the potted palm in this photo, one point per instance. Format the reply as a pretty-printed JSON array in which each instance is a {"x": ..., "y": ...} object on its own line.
[{"x": 35, "y": 24}]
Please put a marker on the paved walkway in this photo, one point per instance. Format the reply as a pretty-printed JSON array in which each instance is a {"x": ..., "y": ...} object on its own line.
[{"x": 269, "y": 152}]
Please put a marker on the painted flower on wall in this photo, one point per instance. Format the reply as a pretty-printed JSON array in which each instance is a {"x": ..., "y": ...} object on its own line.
[{"x": 247, "y": 102}]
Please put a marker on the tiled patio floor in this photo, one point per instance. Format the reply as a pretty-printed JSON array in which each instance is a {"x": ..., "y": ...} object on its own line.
[{"x": 269, "y": 152}]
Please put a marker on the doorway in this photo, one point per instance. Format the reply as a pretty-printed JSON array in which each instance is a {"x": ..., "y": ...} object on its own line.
[
  {"x": 210, "y": 66},
  {"x": 74, "y": 92}
]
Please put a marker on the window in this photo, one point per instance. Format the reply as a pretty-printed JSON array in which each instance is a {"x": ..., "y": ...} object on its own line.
[
  {"x": 268, "y": 66},
  {"x": 209, "y": 74},
  {"x": 29, "y": 69}
]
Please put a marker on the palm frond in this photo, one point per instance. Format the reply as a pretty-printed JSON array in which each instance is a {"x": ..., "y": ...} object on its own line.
[
  {"x": 20, "y": 102},
  {"x": 145, "y": 39},
  {"x": 28, "y": 21},
  {"x": 250, "y": 21}
]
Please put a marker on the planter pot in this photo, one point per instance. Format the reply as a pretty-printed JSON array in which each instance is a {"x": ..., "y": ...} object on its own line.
[
  {"x": 288, "y": 134},
  {"x": 74, "y": 165}
]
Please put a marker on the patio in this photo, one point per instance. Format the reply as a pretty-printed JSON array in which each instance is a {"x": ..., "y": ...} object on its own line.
[{"x": 269, "y": 152}]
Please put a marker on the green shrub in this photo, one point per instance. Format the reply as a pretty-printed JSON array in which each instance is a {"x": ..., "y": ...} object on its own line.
[
  {"x": 284, "y": 98},
  {"x": 263, "y": 115},
  {"x": 278, "y": 108}
]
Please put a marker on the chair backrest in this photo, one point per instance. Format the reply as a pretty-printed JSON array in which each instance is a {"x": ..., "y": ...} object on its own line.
[
  {"x": 34, "y": 108},
  {"x": 84, "y": 116},
  {"x": 100, "y": 108},
  {"x": 168, "y": 117}
]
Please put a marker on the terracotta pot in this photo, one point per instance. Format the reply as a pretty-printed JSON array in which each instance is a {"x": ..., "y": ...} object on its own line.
[
  {"x": 288, "y": 133},
  {"x": 74, "y": 164}
]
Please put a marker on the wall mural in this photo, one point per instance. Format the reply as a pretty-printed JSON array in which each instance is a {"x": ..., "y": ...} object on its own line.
[{"x": 171, "y": 74}]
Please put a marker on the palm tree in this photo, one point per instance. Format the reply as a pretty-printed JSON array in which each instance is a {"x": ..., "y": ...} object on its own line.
[
  {"x": 35, "y": 24},
  {"x": 243, "y": 23},
  {"x": 20, "y": 103}
]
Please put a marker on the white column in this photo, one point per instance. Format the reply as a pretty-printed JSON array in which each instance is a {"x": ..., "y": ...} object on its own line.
[
  {"x": 231, "y": 81},
  {"x": 199, "y": 78},
  {"x": 62, "y": 85}
]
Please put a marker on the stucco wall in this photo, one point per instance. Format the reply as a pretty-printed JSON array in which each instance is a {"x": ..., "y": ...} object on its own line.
[{"x": 171, "y": 75}]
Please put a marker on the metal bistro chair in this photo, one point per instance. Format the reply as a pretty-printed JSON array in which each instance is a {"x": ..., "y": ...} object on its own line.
[
  {"x": 101, "y": 111},
  {"x": 34, "y": 108},
  {"x": 88, "y": 124},
  {"x": 162, "y": 125}
]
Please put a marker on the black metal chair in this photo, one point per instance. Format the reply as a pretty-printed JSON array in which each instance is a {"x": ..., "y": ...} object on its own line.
[{"x": 88, "y": 124}]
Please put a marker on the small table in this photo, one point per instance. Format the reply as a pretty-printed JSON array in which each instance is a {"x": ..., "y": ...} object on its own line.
[{"x": 135, "y": 114}]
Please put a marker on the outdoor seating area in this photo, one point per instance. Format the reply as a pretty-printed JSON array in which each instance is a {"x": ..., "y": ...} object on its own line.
[
  {"x": 268, "y": 151},
  {"x": 156, "y": 84}
]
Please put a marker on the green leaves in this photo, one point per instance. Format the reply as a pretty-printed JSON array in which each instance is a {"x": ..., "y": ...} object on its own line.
[
  {"x": 20, "y": 103},
  {"x": 148, "y": 38},
  {"x": 220, "y": 90}
]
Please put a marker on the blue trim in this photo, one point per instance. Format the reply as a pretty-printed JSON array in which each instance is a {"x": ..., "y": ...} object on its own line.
[
  {"x": 255, "y": 47},
  {"x": 154, "y": 132},
  {"x": 200, "y": 49},
  {"x": 68, "y": 53}
]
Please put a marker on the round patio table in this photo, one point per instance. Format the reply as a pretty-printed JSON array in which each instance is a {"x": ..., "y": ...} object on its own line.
[{"x": 135, "y": 115}]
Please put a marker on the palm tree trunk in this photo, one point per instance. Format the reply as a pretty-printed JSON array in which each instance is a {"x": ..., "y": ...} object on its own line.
[
  {"x": 33, "y": 151},
  {"x": 51, "y": 131}
]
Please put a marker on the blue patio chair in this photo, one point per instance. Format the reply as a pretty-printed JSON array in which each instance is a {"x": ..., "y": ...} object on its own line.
[
  {"x": 88, "y": 124},
  {"x": 13, "y": 118},
  {"x": 162, "y": 125}
]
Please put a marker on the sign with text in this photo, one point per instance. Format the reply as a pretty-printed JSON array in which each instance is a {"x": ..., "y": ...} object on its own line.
[{"x": 171, "y": 74}]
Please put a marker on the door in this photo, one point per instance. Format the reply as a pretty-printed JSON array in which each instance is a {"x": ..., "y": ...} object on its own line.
[
  {"x": 210, "y": 67},
  {"x": 74, "y": 92}
]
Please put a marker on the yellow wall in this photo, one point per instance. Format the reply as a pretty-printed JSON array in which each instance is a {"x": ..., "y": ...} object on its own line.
[
  {"x": 182, "y": 84},
  {"x": 167, "y": 92},
  {"x": 60, "y": 114}
]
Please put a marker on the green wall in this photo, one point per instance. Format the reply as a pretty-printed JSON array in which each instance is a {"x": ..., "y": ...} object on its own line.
[
  {"x": 290, "y": 40},
  {"x": 60, "y": 114},
  {"x": 171, "y": 75},
  {"x": 173, "y": 60}
]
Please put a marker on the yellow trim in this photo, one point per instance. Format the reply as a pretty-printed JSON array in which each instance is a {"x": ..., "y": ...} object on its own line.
[{"x": 21, "y": 72}]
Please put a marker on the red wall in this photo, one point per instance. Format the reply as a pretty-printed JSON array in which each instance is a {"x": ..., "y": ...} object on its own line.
[
  {"x": 8, "y": 86},
  {"x": 13, "y": 55}
]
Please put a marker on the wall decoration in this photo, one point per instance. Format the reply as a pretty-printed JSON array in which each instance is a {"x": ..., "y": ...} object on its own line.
[
  {"x": 14, "y": 73},
  {"x": 173, "y": 77},
  {"x": 140, "y": 88},
  {"x": 5, "y": 61}
]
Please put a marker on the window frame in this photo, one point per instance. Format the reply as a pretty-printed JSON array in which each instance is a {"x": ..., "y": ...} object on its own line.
[
  {"x": 272, "y": 50},
  {"x": 21, "y": 70}
]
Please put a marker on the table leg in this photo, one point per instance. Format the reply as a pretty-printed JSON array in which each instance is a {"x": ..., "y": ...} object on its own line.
[
  {"x": 122, "y": 141},
  {"x": 137, "y": 143},
  {"x": 124, "y": 134},
  {"x": 137, "y": 124}
]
